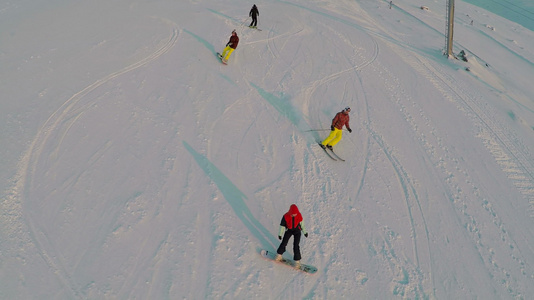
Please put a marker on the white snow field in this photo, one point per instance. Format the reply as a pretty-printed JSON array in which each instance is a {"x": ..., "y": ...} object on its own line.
[{"x": 134, "y": 165}]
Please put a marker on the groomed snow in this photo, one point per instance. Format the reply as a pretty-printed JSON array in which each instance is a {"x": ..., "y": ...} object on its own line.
[{"x": 134, "y": 165}]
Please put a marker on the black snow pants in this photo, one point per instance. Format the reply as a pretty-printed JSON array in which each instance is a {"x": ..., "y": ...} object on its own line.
[
  {"x": 254, "y": 20},
  {"x": 296, "y": 241}
]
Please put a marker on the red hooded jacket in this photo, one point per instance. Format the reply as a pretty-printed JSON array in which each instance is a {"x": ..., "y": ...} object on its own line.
[{"x": 292, "y": 218}]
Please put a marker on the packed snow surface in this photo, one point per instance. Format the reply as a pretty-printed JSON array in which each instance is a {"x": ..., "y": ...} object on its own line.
[{"x": 134, "y": 165}]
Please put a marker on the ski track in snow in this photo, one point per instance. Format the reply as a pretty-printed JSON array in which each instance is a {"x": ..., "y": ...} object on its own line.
[
  {"x": 505, "y": 146},
  {"x": 415, "y": 279},
  {"x": 516, "y": 167},
  {"x": 409, "y": 277},
  {"x": 506, "y": 153},
  {"x": 383, "y": 189},
  {"x": 54, "y": 130},
  {"x": 510, "y": 155},
  {"x": 409, "y": 280}
]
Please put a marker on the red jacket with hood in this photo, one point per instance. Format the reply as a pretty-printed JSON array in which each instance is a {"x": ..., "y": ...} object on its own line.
[{"x": 292, "y": 220}]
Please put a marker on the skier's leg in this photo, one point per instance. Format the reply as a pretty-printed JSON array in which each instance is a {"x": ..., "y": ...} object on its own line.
[
  {"x": 296, "y": 246},
  {"x": 330, "y": 137},
  {"x": 339, "y": 133}
]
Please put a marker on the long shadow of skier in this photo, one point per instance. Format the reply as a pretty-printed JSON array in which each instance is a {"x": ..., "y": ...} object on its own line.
[
  {"x": 235, "y": 198},
  {"x": 283, "y": 105},
  {"x": 206, "y": 44}
]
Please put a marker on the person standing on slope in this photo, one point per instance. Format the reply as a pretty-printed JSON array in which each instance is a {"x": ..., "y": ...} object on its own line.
[
  {"x": 230, "y": 47},
  {"x": 341, "y": 119},
  {"x": 253, "y": 14},
  {"x": 292, "y": 224}
]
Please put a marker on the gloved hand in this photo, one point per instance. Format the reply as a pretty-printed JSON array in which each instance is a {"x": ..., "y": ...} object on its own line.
[
  {"x": 350, "y": 130},
  {"x": 332, "y": 128},
  {"x": 279, "y": 237},
  {"x": 306, "y": 234}
]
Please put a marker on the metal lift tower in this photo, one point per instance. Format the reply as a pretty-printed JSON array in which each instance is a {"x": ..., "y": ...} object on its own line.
[{"x": 450, "y": 27}]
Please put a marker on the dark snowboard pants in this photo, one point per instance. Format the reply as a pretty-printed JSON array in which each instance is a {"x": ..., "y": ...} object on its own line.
[
  {"x": 254, "y": 21},
  {"x": 296, "y": 241}
]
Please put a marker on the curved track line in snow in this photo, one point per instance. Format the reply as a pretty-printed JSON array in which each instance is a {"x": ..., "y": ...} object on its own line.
[
  {"x": 409, "y": 277},
  {"x": 24, "y": 178},
  {"x": 501, "y": 143},
  {"x": 61, "y": 114},
  {"x": 415, "y": 216},
  {"x": 271, "y": 37},
  {"x": 412, "y": 274},
  {"x": 365, "y": 61}
]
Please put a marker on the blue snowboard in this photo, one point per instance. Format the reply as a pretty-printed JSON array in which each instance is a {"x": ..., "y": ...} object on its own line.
[{"x": 288, "y": 262}]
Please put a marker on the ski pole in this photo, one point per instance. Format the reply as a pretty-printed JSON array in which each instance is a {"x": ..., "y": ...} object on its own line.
[
  {"x": 322, "y": 130},
  {"x": 244, "y": 22}
]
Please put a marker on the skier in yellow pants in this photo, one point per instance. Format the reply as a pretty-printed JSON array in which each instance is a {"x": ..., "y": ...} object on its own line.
[
  {"x": 341, "y": 119},
  {"x": 230, "y": 47}
]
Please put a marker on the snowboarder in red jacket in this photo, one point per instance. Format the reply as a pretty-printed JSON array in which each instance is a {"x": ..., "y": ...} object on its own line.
[
  {"x": 292, "y": 224},
  {"x": 341, "y": 119}
]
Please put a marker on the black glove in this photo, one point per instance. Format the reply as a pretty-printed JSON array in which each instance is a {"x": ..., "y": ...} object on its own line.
[
  {"x": 332, "y": 128},
  {"x": 279, "y": 237},
  {"x": 306, "y": 234},
  {"x": 350, "y": 130}
]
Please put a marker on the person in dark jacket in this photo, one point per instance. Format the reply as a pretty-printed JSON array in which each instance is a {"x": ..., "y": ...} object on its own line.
[
  {"x": 292, "y": 224},
  {"x": 254, "y": 13},
  {"x": 230, "y": 46},
  {"x": 341, "y": 119}
]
